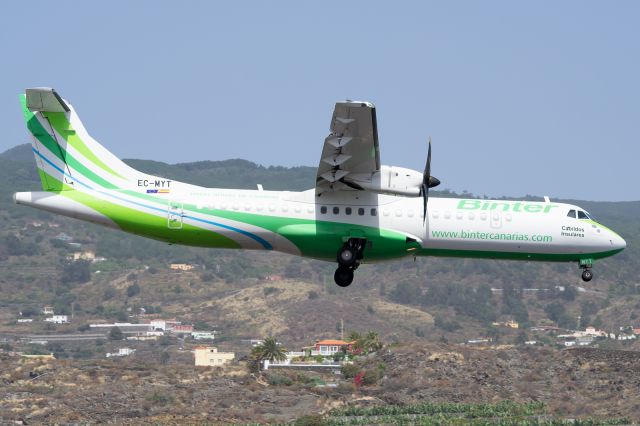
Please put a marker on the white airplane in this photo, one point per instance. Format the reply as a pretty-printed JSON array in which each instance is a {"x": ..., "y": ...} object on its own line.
[{"x": 359, "y": 211}]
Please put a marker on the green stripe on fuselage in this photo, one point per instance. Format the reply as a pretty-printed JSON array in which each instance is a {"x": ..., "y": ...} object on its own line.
[
  {"x": 323, "y": 239},
  {"x": 547, "y": 257},
  {"x": 148, "y": 225}
]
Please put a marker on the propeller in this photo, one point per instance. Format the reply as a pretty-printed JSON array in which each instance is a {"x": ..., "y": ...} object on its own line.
[{"x": 428, "y": 181}]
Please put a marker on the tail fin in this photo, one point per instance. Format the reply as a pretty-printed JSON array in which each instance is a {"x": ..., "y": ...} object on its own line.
[{"x": 66, "y": 155}]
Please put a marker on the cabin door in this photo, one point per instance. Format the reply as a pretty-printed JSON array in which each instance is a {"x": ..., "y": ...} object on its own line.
[{"x": 174, "y": 215}]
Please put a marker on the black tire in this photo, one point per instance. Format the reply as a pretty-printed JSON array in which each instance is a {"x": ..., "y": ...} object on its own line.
[
  {"x": 587, "y": 275},
  {"x": 343, "y": 276},
  {"x": 347, "y": 256}
]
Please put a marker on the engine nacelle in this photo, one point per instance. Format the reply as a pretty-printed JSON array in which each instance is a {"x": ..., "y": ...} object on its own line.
[{"x": 389, "y": 180}]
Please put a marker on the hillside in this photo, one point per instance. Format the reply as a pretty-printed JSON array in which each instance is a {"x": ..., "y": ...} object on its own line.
[{"x": 424, "y": 310}]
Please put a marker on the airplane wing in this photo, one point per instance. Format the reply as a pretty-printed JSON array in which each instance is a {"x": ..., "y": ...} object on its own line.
[{"x": 350, "y": 149}]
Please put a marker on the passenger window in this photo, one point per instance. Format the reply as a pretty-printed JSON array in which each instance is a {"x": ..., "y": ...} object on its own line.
[
  {"x": 572, "y": 213},
  {"x": 323, "y": 209},
  {"x": 374, "y": 212},
  {"x": 361, "y": 211},
  {"x": 582, "y": 215},
  {"x": 336, "y": 210},
  {"x": 347, "y": 211}
]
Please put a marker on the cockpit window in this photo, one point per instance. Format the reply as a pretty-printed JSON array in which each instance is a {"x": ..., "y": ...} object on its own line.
[
  {"x": 582, "y": 215},
  {"x": 572, "y": 213}
]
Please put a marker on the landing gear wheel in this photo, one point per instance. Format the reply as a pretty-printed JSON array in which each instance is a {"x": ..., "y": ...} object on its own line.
[
  {"x": 347, "y": 256},
  {"x": 343, "y": 276},
  {"x": 587, "y": 275}
]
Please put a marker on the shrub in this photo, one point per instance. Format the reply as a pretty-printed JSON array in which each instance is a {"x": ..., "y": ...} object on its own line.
[
  {"x": 310, "y": 420},
  {"x": 76, "y": 272},
  {"x": 269, "y": 290},
  {"x": 277, "y": 380},
  {"x": 349, "y": 371},
  {"x": 133, "y": 290},
  {"x": 159, "y": 398},
  {"x": 371, "y": 377},
  {"x": 115, "y": 334},
  {"x": 109, "y": 294}
]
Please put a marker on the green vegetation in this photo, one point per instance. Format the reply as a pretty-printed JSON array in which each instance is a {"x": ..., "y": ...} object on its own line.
[
  {"x": 115, "y": 334},
  {"x": 269, "y": 350},
  {"x": 504, "y": 413}
]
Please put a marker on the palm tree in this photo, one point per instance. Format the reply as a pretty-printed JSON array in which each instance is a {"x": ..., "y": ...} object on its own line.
[
  {"x": 373, "y": 342},
  {"x": 269, "y": 349},
  {"x": 354, "y": 336}
]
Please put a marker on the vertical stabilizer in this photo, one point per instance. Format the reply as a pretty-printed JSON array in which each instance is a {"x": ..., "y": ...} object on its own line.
[{"x": 66, "y": 155}]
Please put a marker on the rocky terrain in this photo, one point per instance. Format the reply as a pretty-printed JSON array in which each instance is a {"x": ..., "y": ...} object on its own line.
[{"x": 573, "y": 383}]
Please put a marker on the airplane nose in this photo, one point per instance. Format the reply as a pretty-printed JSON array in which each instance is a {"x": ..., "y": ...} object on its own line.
[{"x": 618, "y": 243}]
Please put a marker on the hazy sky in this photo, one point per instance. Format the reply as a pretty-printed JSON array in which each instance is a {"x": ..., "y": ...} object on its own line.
[{"x": 519, "y": 97}]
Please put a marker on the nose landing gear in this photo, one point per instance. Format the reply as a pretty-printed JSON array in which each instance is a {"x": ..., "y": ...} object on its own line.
[
  {"x": 348, "y": 261},
  {"x": 587, "y": 273}
]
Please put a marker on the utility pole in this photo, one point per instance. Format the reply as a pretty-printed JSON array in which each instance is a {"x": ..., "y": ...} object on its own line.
[
  {"x": 341, "y": 329},
  {"x": 579, "y": 318}
]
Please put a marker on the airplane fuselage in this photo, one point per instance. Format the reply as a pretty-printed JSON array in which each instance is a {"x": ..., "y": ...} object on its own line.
[{"x": 304, "y": 224}]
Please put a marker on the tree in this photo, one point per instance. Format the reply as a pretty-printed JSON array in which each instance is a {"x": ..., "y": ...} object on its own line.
[
  {"x": 270, "y": 350},
  {"x": 133, "y": 290},
  {"x": 569, "y": 293},
  {"x": 354, "y": 336},
  {"x": 372, "y": 342},
  {"x": 76, "y": 272},
  {"x": 522, "y": 337},
  {"x": 109, "y": 294},
  {"x": 115, "y": 334}
]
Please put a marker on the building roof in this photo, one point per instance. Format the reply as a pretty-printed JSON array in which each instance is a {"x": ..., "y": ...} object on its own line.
[{"x": 333, "y": 342}]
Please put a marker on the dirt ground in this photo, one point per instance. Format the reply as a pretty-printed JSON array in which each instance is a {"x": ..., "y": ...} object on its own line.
[{"x": 572, "y": 383}]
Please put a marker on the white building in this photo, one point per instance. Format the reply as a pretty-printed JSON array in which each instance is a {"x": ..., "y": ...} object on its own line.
[
  {"x": 158, "y": 324},
  {"x": 203, "y": 335},
  {"x": 121, "y": 352},
  {"x": 58, "y": 319}
]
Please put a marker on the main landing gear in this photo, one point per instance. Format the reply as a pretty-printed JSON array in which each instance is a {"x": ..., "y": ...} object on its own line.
[
  {"x": 348, "y": 258},
  {"x": 587, "y": 273}
]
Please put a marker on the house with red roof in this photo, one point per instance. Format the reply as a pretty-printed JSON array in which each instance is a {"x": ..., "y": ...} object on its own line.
[{"x": 329, "y": 347}]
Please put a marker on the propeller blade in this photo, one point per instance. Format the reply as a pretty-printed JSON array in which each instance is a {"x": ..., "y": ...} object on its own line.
[
  {"x": 425, "y": 195},
  {"x": 426, "y": 181}
]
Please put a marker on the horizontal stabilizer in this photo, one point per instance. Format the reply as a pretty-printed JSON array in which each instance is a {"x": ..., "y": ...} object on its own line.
[{"x": 45, "y": 99}]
